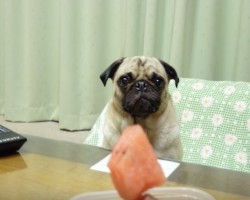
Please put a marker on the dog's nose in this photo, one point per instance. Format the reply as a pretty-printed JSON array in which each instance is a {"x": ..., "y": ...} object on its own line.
[{"x": 141, "y": 86}]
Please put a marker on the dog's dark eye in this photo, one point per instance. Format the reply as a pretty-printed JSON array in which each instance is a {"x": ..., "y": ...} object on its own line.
[
  {"x": 158, "y": 81},
  {"x": 124, "y": 80}
]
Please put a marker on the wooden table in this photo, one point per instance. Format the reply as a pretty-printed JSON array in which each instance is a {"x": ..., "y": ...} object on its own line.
[{"x": 47, "y": 169}]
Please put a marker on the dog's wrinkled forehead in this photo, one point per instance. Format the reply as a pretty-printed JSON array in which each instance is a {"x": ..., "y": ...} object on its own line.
[{"x": 141, "y": 66}]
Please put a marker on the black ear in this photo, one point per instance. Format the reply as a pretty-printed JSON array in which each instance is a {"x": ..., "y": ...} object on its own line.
[
  {"x": 172, "y": 74},
  {"x": 110, "y": 71}
]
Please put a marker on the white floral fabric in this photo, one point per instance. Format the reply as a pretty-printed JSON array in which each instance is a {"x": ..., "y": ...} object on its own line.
[{"x": 215, "y": 122}]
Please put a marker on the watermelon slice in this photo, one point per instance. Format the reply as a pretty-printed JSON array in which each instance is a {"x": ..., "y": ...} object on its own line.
[{"x": 133, "y": 164}]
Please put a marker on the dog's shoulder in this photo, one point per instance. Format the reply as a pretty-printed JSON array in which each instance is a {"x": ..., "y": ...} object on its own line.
[{"x": 114, "y": 124}]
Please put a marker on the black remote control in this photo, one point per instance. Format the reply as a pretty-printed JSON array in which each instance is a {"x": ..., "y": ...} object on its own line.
[{"x": 10, "y": 141}]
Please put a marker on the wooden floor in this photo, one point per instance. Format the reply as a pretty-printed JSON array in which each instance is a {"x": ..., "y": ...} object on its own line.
[{"x": 45, "y": 129}]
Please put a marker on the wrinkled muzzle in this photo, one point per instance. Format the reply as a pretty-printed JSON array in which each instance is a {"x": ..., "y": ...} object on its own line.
[{"x": 141, "y": 99}]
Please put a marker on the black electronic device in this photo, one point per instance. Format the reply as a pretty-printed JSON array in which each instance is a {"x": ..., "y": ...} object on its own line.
[{"x": 10, "y": 141}]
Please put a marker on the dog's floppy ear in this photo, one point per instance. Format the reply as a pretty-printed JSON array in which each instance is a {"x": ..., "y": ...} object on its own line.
[
  {"x": 172, "y": 74},
  {"x": 110, "y": 71}
]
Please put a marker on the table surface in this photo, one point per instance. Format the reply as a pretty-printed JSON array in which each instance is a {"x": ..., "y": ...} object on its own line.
[{"x": 50, "y": 169}]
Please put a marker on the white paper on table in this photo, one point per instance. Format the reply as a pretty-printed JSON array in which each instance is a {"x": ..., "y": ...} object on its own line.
[{"x": 168, "y": 167}]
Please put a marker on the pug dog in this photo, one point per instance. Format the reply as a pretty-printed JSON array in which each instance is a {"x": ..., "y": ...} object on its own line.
[{"x": 141, "y": 97}]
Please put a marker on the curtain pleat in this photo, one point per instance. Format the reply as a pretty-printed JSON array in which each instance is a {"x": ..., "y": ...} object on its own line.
[
  {"x": 30, "y": 60},
  {"x": 53, "y": 51}
]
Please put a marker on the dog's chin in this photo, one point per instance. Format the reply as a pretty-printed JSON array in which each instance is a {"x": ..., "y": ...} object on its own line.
[{"x": 141, "y": 107}]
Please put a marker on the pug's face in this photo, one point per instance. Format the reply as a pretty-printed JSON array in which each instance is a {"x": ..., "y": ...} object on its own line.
[{"x": 140, "y": 84}]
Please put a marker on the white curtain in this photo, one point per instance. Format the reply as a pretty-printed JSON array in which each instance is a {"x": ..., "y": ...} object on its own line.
[{"x": 53, "y": 51}]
